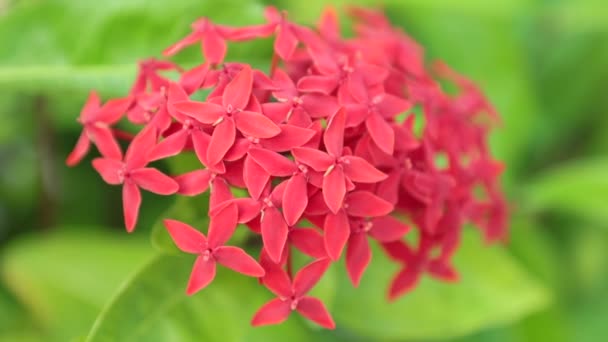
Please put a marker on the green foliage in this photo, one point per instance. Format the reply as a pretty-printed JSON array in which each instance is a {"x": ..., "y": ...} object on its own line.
[
  {"x": 65, "y": 278},
  {"x": 492, "y": 290},
  {"x": 154, "y": 307}
]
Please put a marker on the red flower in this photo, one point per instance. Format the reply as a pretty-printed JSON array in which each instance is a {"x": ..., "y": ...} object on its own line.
[
  {"x": 97, "y": 121},
  {"x": 292, "y": 296},
  {"x": 230, "y": 115},
  {"x": 211, "y": 250},
  {"x": 338, "y": 168},
  {"x": 318, "y": 140},
  {"x": 133, "y": 174}
]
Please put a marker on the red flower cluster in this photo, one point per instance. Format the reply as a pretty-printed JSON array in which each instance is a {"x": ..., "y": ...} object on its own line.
[{"x": 344, "y": 140}]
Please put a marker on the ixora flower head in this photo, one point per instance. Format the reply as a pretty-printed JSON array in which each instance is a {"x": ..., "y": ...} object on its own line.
[{"x": 342, "y": 141}]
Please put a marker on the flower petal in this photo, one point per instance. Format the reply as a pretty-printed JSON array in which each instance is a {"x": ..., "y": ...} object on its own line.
[
  {"x": 358, "y": 256},
  {"x": 202, "y": 275},
  {"x": 405, "y": 281},
  {"x": 285, "y": 43},
  {"x": 334, "y": 189},
  {"x": 221, "y": 141},
  {"x": 337, "y": 231},
  {"x": 388, "y": 228},
  {"x": 360, "y": 170},
  {"x": 193, "y": 183},
  {"x": 309, "y": 241},
  {"x": 365, "y": 204},
  {"x": 256, "y": 125},
  {"x": 334, "y": 134},
  {"x": 318, "y": 84},
  {"x": 214, "y": 46},
  {"x": 236, "y": 259},
  {"x": 290, "y": 137},
  {"x": 154, "y": 181},
  {"x": 274, "y": 163},
  {"x": 295, "y": 198},
  {"x": 80, "y": 150},
  {"x": 309, "y": 276},
  {"x": 131, "y": 201},
  {"x": 255, "y": 177},
  {"x": 109, "y": 169},
  {"x": 205, "y": 112},
  {"x": 105, "y": 142},
  {"x": 187, "y": 238},
  {"x": 443, "y": 271},
  {"x": 314, "y": 310},
  {"x": 237, "y": 92},
  {"x": 222, "y": 225},
  {"x": 381, "y": 132},
  {"x": 274, "y": 233},
  {"x": 274, "y": 312},
  {"x": 319, "y": 161},
  {"x": 188, "y": 40},
  {"x": 170, "y": 146}
]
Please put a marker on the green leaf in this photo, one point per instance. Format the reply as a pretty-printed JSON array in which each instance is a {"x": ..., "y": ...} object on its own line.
[
  {"x": 493, "y": 290},
  {"x": 578, "y": 188},
  {"x": 64, "y": 278},
  {"x": 153, "y": 306}
]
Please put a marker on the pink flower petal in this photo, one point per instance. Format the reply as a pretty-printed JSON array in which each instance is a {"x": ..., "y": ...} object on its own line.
[
  {"x": 316, "y": 159},
  {"x": 131, "y": 201},
  {"x": 358, "y": 256},
  {"x": 188, "y": 40},
  {"x": 388, "y": 228},
  {"x": 221, "y": 141},
  {"x": 365, "y": 204},
  {"x": 274, "y": 163},
  {"x": 405, "y": 281},
  {"x": 236, "y": 259},
  {"x": 443, "y": 271},
  {"x": 256, "y": 125},
  {"x": 318, "y": 84},
  {"x": 255, "y": 177},
  {"x": 274, "y": 312},
  {"x": 314, "y": 310},
  {"x": 203, "y": 273},
  {"x": 91, "y": 107},
  {"x": 80, "y": 150},
  {"x": 334, "y": 134},
  {"x": 334, "y": 189},
  {"x": 205, "y": 112},
  {"x": 285, "y": 43},
  {"x": 274, "y": 233},
  {"x": 214, "y": 46},
  {"x": 295, "y": 198},
  {"x": 319, "y": 105},
  {"x": 222, "y": 225},
  {"x": 381, "y": 132},
  {"x": 105, "y": 142},
  {"x": 309, "y": 276},
  {"x": 361, "y": 171},
  {"x": 187, "y": 238},
  {"x": 154, "y": 181},
  {"x": 237, "y": 92},
  {"x": 109, "y": 169},
  {"x": 170, "y": 146},
  {"x": 193, "y": 183},
  {"x": 308, "y": 241},
  {"x": 337, "y": 231}
]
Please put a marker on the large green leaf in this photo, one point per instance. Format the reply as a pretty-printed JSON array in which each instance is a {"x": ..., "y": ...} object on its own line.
[
  {"x": 154, "y": 307},
  {"x": 579, "y": 188},
  {"x": 493, "y": 290},
  {"x": 64, "y": 278}
]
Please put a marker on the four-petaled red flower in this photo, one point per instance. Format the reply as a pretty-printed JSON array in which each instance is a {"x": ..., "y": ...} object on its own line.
[{"x": 292, "y": 296}]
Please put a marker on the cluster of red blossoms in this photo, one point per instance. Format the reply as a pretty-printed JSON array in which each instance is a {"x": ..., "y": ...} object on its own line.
[{"x": 345, "y": 140}]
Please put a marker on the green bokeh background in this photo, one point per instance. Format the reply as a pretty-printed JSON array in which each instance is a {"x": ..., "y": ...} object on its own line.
[{"x": 64, "y": 256}]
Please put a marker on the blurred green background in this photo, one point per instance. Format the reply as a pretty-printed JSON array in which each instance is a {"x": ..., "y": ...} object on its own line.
[{"x": 68, "y": 271}]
